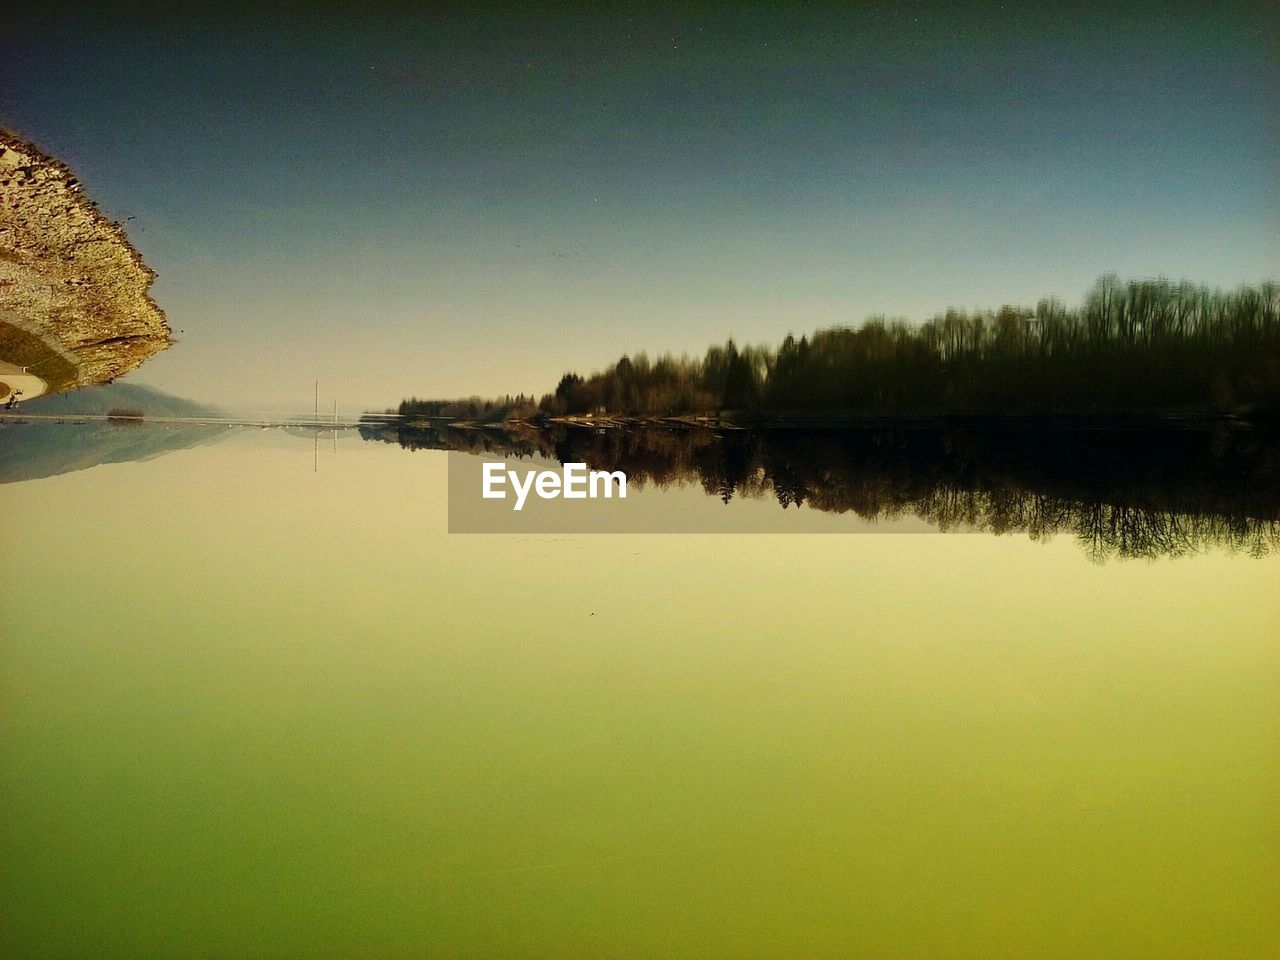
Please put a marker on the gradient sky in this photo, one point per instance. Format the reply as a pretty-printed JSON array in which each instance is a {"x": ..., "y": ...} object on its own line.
[{"x": 450, "y": 202}]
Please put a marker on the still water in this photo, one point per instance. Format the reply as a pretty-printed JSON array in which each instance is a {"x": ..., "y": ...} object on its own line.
[{"x": 253, "y": 709}]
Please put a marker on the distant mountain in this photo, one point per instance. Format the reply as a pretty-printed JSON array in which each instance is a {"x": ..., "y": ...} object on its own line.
[
  {"x": 107, "y": 397},
  {"x": 35, "y": 449}
]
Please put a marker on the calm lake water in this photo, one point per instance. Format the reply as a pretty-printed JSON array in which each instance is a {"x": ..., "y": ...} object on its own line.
[{"x": 253, "y": 709}]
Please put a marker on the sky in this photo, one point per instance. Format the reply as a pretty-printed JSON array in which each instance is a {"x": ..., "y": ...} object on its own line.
[{"x": 459, "y": 200}]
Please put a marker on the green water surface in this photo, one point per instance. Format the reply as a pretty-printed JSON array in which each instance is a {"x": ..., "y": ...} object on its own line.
[{"x": 253, "y": 710}]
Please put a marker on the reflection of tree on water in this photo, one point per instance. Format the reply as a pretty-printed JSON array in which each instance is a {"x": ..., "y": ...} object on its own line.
[{"x": 1119, "y": 493}]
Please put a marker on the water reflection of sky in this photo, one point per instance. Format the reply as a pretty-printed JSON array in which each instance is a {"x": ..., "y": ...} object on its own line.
[{"x": 290, "y": 708}]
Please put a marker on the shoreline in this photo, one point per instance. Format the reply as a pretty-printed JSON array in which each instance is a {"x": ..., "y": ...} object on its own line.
[{"x": 1126, "y": 421}]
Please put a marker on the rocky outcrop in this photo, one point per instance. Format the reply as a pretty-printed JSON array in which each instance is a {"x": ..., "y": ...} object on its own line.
[{"x": 68, "y": 275}]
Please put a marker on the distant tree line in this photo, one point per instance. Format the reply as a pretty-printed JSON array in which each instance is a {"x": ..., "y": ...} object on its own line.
[
  {"x": 1140, "y": 345},
  {"x": 477, "y": 409},
  {"x": 1137, "y": 346}
]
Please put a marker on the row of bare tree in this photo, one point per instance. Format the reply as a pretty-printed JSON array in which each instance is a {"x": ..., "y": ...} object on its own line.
[{"x": 1148, "y": 345}]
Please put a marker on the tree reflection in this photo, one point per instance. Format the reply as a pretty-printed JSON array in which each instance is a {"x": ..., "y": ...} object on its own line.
[{"x": 1119, "y": 493}]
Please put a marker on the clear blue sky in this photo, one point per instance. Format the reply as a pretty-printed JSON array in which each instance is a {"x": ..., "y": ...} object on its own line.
[{"x": 448, "y": 202}]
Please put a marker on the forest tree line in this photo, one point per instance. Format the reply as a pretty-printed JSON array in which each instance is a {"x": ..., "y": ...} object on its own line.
[{"x": 1137, "y": 346}]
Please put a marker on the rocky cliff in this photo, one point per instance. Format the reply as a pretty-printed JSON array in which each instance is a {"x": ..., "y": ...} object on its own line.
[{"x": 73, "y": 292}]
